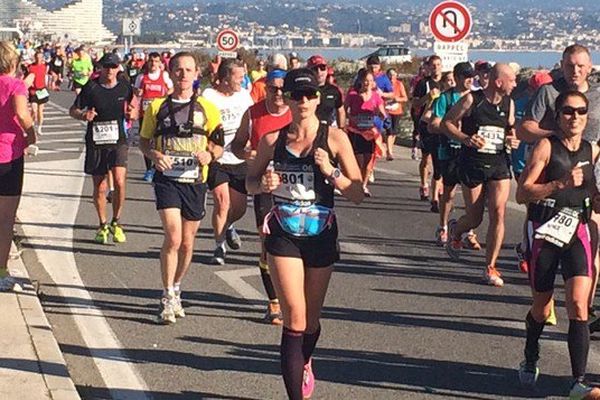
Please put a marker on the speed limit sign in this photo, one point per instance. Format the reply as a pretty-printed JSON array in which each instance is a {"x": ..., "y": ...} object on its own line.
[{"x": 227, "y": 40}]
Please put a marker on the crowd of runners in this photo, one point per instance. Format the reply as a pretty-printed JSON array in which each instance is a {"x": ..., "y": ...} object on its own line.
[{"x": 289, "y": 137}]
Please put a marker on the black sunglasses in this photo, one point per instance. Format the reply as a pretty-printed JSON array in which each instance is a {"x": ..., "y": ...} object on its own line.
[
  {"x": 321, "y": 67},
  {"x": 274, "y": 89},
  {"x": 298, "y": 95},
  {"x": 568, "y": 110},
  {"x": 111, "y": 66}
]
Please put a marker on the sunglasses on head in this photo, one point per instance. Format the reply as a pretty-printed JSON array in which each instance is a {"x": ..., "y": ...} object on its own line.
[
  {"x": 298, "y": 95},
  {"x": 568, "y": 110},
  {"x": 274, "y": 89}
]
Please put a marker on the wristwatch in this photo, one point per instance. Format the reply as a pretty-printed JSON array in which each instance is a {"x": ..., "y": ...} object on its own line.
[{"x": 335, "y": 174}]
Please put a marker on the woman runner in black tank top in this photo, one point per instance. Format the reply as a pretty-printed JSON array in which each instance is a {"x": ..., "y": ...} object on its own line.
[
  {"x": 558, "y": 184},
  {"x": 296, "y": 166}
]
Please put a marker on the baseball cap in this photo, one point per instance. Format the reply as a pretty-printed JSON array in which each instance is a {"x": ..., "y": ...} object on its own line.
[
  {"x": 464, "y": 69},
  {"x": 539, "y": 79},
  {"x": 315, "y": 61},
  {"x": 301, "y": 79},
  {"x": 110, "y": 59},
  {"x": 483, "y": 66},
  {"x": 293, "y": 54},
  {"x": 373, "y": 60}
]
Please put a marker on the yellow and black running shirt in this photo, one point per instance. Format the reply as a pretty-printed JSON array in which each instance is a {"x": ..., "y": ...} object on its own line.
[{"x": 159, "y": 127}]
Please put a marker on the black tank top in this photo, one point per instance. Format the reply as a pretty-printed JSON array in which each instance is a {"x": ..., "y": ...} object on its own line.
[
  {"x": 489, "y": 120},
  {"x": 561, "y": 162},
  {"x": 302, "y": 180}
]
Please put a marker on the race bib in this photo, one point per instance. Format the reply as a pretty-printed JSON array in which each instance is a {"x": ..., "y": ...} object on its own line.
[
  {"x": 42, "y": 94},
  {"x": 392, "y": 106},
  {"x": 364, "y": 121},
  {"x": 560, "y": 229},
  {"x": 185, "y": 168},
  {"x": 494, "y": 139},
  {"x": 106, "y": 132},
  {"x": 133, "y": 72},
  {"x": 146, "y": 104},
  {"x": 297, "y": 183},
  {"x": 57, "y": 63}
]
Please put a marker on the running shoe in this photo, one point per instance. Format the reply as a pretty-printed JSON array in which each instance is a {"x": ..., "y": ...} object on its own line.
[
  {"x": 551, "y": 320},
  {"x": 367, "y": 192},
  {"x": 390, "y": 157},
  {"x": 372, "y": 177},
  {"x": 233, "y": 239},
  {"x": 149, "y": 175},
  {"x": 441, "y": 236},
  {"x": 308, "y": 380},
  {"x": 273, "y": 315},
  {"x": 523, "y": 265},
  {"x": 177, "y": 306},
  {"x": 493, "y": 277},
  {"x": 117, "y": 232},
  {"x": 528, "y": 373},
  {"x": 218, "y": 256},
  {"x": 453, "y": 246},
  {"x": 414, "y": 154},
  {"x": 470, "y": 241},
  {"x": 583, "y": 391},
  {"x": 166, "y": 314},
  {"x": 102, "y": 234},
  {"x": 424, "y": 193},
  {"x": 7, "y": 282},
  {"x": 435, "y": 207},
  {"x": 109, "y": 196}
]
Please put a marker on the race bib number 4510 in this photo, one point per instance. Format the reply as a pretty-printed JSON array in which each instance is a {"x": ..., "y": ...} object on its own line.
[
  {"x": 494, "y": 139},
  {"x": 184, "y": 168},
  {"x": 106, "y": 132}
]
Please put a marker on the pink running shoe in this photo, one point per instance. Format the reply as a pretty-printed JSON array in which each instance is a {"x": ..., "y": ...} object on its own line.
[{"x": 308, "y": 381}]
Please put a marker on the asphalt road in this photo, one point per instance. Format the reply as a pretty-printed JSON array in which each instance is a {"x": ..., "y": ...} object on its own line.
[{"x": 401, "y": 320}]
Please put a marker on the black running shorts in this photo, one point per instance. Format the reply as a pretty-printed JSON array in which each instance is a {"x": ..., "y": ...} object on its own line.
[
  {"x": 232, "y": 174},
  {"x": 316, "y": 252},
  {"x": 475, "y": 172},
  {"x": 263, "y": 203},
  {"x": 190, "y": 198},
  {"x": 11, "y": 177},
  {"x": 360, "y": 145},
  {"x": 101, "y": 159}
]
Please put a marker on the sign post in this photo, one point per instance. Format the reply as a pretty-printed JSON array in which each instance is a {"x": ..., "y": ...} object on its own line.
[
  {"x": 131, "y": 27},
  {"x": 227, "y": 42},
  {"x": 450, "y": 22}
]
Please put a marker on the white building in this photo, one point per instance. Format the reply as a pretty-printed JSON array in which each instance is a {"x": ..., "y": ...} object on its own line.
[{"x": 79, "y": 20}]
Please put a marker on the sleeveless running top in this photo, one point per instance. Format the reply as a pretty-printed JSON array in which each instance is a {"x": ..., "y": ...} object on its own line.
[
  {"x": 561, "y": 162},
  {"x": 263, "y": 122},
  {"x": 153, "y": 88},
  {"x": 303, "y": 182},
  {"x": 489, "y": 121}
]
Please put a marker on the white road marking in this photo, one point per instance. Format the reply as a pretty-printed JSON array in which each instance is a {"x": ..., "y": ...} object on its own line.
[
  {"x": 234, "y": 278},
  {"x": 38, "y": 216}
]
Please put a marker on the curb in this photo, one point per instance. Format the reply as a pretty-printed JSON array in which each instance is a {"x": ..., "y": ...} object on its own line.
[{"x": 51, "y": 361}]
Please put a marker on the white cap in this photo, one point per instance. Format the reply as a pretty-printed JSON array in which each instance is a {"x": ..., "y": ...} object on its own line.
[{"x": 277, "y": 61}]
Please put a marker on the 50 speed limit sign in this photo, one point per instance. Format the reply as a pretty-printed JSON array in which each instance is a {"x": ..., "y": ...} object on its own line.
[{"x": 227, "y": 40}]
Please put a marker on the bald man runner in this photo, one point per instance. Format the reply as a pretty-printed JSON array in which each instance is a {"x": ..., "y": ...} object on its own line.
[{"x": 483, "y": 122}]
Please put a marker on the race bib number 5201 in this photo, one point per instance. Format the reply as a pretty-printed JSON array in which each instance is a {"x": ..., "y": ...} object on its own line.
[{"x": 106, "y": 132}]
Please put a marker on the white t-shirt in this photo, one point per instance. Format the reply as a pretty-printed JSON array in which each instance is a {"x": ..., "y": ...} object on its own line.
[
  {"x": 154, "y": 76},
  {"x": 232, "y": 110}
]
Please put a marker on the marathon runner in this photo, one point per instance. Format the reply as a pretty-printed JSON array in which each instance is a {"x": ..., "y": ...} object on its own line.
[
  {"x": 557, "y": 184},
  {"x": 181, "y": 134},
  {"x": 483, "y": 121},
  {"x": 267, "y": 116},
  {"x": 304, "y": 155},
  {"x": 259, "y": 87},
  {"x": 482, "y": 70},
  {"x": 15, "y": 122},
  {"x": 105, "y": 104},
  {"x": 294, "y": 61},
  {"x": 427, "y": 90},
  {"x": 38, "y": 91},
  {"x": 81, "y": 68},
  {"x": 540, "y": 121},
  {"x": 395, "y": 109},
  {"x": 227, "y": 175},
  {"x": 57, "y": 68},
  {"x": 331, "y": 106},
  {"x": 153, "y": 83},
  {"x": 449, "y": 151},
  {"x": 365, "y": 107}
]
